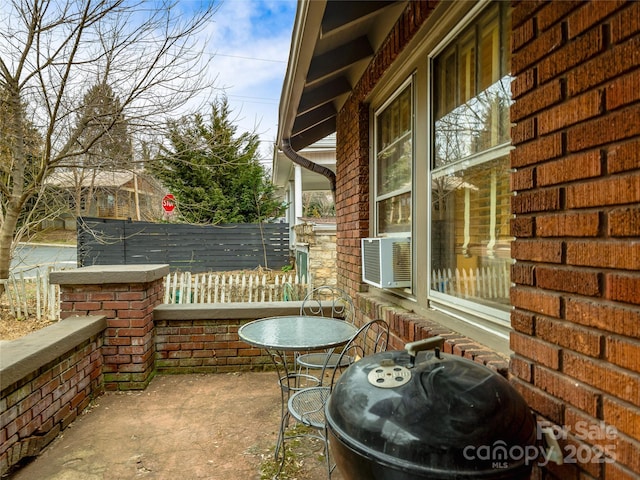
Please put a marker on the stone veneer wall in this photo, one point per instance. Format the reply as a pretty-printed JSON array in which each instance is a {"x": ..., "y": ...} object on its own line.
[{"x": 321, "y": 241}]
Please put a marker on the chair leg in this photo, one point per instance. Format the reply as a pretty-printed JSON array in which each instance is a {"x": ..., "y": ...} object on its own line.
[{"x": 327, "y": 454}]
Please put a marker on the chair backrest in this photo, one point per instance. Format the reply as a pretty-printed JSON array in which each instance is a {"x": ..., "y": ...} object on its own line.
[
  {"x": 328, "y": 301},
  {"x": 371, "y": 338}
]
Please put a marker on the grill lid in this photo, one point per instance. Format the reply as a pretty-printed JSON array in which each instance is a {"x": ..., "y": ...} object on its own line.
[{"x": 434, "y": 412}]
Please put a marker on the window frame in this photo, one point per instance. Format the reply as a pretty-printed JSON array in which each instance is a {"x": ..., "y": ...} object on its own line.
[
  {"x": 447, "y": 22},
  {"x": 409, "y": 83},
  {"x": 438, "y": 300}
]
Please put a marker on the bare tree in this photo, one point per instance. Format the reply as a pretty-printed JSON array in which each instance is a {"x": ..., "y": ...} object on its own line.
[{"x": 148, "y": 52}]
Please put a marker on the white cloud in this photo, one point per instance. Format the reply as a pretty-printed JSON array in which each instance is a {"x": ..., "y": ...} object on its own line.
[{"x": 249, "y": 42}]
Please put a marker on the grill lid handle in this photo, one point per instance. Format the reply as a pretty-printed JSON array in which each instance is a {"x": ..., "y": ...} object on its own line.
[{"x": 413, "y": 348}]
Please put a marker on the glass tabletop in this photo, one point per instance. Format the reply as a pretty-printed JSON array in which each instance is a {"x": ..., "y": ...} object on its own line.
[{"x": 297, "y": 332}]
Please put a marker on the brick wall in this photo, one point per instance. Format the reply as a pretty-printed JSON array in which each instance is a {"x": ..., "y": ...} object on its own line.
[
  {"x": 406, "y": 326},
  {"x": 144, "y": 336},
  {"x": 126, "y": 296},
  {"x": 203, "y": 338},
  {"x": 205, "y": 346},
  {"x": 41, "y": 405},
  {"x": 577, "y": 179}
]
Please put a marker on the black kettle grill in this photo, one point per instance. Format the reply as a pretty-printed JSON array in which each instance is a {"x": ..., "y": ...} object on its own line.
[{"x": 408, "y": 415}]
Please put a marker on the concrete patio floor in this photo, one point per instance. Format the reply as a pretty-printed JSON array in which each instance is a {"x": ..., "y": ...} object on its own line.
[{"x": 200, "y": 426}]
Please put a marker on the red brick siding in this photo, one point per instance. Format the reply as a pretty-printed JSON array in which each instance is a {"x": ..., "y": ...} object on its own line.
[
  {"x": 577, "y": 177},
  {"x": 409, "y": 327},
  {"x": 47, "y": 401}
]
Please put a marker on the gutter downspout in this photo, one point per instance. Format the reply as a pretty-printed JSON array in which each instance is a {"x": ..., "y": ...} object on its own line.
[{"x": 309, "y": 165}]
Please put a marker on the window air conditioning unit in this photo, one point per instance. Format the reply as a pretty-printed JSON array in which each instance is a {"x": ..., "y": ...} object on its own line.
[{"x": 386, "y": 262}]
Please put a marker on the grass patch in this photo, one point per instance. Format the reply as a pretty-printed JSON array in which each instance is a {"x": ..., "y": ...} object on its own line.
[{"x": 301, "y": 454}]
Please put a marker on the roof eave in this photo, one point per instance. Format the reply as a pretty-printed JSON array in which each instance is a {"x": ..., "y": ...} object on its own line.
[
  {"x": 306, "y": 29},
  {"x": 331, "y": 45}
]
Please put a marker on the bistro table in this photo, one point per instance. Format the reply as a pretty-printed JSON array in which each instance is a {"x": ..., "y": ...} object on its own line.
[{"x": 284, "y": 335}]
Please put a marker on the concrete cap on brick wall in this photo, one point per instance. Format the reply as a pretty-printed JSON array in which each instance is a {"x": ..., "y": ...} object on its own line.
[
  {"x": 22, "y": 356},
  {"x": 227, "y": 311},
  {"x": 101, "y": 274}
]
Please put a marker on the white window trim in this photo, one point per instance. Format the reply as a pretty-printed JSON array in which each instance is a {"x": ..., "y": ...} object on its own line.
[
  {"x": 410, "y": 83},
  {"x": 479, "y": 315},
  {"x": 473, "y": 160}
]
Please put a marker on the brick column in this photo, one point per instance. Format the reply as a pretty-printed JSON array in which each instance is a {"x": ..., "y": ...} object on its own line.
[{"x": 126, "y": 295}]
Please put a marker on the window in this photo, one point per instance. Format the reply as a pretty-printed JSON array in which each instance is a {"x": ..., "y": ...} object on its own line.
[
  {"x": 394, "y": 164},
  {"x": 470, "y": 198}
]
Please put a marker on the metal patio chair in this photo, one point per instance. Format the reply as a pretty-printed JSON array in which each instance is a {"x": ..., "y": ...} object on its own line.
[
  {"x": 326, "y": 301},
  {"x": 307, "y": 405}
]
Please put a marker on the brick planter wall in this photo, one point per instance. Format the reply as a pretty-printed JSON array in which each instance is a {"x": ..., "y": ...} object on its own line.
[
  {"x": 405, "y": 326},
  {"x": 203, "y": 338},
  {"x": 126, "y": 295},
  {"x": 577, "y": 179},
  {"x": 47, "y": 379},
  {"x": 205, "y": 346}
]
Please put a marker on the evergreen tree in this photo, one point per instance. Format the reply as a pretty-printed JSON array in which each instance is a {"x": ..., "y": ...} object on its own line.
[
  {"x": 215, "y": 175},
  {"x": 105, "y": 140},
  {"x": 27, "y": 140},
  {"x": 104, "y": 144}
]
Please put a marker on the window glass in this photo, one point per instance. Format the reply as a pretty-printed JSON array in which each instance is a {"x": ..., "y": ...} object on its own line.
[
  {"x": 394, "y": 164},
  {"x": 394, "y": 213},
  {"x": 470, "y": 235},
  {"x": 470, "y": 192}
]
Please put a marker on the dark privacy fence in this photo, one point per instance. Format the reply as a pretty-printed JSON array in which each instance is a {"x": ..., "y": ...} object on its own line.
[{"x": 193, "y": 248}]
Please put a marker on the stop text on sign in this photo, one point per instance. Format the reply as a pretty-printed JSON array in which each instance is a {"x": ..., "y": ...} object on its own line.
[{"x": 168, "y": 203}]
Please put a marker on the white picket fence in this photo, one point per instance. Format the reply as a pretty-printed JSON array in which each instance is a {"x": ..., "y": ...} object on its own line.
[
  {"x": 486, "y": 282},
  {"x": 32, "y": 296},
  {"x": 35, "y": 296},
  {"x": 185, "y": 287}
]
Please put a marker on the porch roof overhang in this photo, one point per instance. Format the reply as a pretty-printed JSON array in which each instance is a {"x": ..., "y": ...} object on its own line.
[{"x": 332, "y": 43}]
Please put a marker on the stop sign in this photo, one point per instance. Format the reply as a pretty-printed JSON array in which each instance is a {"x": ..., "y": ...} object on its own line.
[{"x": 168, "y": 203}]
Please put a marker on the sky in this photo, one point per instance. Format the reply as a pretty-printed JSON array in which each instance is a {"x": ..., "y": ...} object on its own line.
[
  {"x": 249, "y": 44},
  {"x": 246, "y": 45}
]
